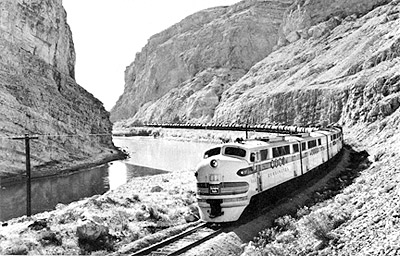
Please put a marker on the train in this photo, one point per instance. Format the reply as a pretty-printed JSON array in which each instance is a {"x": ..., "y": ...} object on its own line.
[{"x": 231, "y": 174}]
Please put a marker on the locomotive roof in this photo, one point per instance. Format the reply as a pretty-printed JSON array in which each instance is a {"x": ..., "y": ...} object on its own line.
[{"x": 278, "y": 140}]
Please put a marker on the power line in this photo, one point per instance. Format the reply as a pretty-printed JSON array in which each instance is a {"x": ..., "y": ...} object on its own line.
[{"x": 27, "y": 139}]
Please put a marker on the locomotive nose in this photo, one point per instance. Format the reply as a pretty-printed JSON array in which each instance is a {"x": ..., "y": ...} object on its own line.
[
  {"x": 220, "y": 164},
  {"x": 221, "y": 193}
]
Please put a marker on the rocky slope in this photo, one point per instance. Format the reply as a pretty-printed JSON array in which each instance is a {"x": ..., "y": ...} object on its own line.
[
  {"x": 320, "y": 51},
  {"x": 38, "y": 93},
  {"x": 337, "y": 70},
  {"x": 183, "y": 71}
]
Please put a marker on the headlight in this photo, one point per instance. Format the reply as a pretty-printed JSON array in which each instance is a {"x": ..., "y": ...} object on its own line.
[
  {"x": 245, "y": 171},
  {"x": 214, "y": 163}
]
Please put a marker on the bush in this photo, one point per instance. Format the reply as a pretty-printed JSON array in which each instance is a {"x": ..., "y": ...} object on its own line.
[
  {"x": 265, "y": 237},
  {"x": 153, "y": 213},
  {"x": 320, "y": 227},
  {"x": 140, "y": 215},
  {"x": 285, "y": 223}
]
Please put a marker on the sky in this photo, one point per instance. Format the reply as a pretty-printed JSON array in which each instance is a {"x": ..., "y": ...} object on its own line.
[{"x": 107, "y": 34}]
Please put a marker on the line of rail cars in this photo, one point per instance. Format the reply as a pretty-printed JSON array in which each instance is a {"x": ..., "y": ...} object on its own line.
[{"x": 231, "y": 174}]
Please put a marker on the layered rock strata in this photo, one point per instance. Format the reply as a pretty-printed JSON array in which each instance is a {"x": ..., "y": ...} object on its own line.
[
  {"x": 38, "y": 93},
  {"x": 321, "y": 59},
  {"x": 347, "y": 73},
  {"x": 182, "y": 72}
]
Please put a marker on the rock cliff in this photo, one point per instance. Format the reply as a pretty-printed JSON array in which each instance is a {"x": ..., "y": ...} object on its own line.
[
  {"x": 294, "y": 62},
  {"x": 182, "y": 72},
  {"x": 342, "y": 69},
  {"x": 38, "y": 93}
]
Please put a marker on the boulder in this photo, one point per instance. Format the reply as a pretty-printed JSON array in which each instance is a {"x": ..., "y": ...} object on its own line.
[
  {"x": 90, "y": 230},
  {"x": 156, "y": 189},
  {"x": 293, "y": 37},
  {"x": 38, "y": 224}
]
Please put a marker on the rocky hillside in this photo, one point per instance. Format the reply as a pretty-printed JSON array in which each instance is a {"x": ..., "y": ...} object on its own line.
[
  {"x": 291, "y": 62},
  {"x": 38, "y": 93},
  {"x": 342, "y": 69},
  {"x": 182, "y": 72}
]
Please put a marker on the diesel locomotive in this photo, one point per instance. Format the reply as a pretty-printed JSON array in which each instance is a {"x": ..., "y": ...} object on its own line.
[{"x": 232, "y": 173}]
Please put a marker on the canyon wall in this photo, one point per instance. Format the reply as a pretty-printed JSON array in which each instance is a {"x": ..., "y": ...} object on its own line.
[
  {"x": 39, "y": 96},
  {"x": 340, "y": 70},
  {"x": 182, "y": 72},
  {"x": 295, "y": 62}
]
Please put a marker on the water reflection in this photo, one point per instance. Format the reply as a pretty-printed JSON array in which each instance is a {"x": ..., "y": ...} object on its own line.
[
  {"x": 117, "y": 174},
  {"x": 148, "y": 157},
  {"x": 120, "y": 172},
  {"x": 162, "y": 154},
  {"x": 48, "y": 192}
]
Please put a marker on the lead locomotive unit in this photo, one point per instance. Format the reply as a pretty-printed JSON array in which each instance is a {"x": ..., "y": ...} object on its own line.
[{"x": 231, "y": 174}]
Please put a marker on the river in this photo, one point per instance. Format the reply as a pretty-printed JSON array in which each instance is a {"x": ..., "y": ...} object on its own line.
[{"x": 148, "y": 156}]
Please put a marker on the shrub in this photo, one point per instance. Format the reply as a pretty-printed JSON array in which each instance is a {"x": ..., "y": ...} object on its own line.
[
  {"x": 155, "y": 133},
  {"x": 140, "y": 215},
  {"x": 265, "y": 237},
  {"x": 153, "y": 213},
  {"x": 274, "y": 250},
  {"x": 303, "y": 212},
  {"x": 285, "y": 223},
  {"x": 322, "y": 223}
]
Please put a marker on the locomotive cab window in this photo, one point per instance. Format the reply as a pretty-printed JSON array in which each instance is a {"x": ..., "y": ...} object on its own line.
[
  {"x": 232, "y": 151},
  {"x": 281, "y": 151},
  {"x": 312, "y": 144},
  {"x": 264, "y": 154},
  {"x": 212, "y": 152},
  {"x": 295, "y": 148}
]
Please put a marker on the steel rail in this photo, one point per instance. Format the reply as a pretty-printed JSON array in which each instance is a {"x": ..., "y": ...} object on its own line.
[
  {"x": 196, "y": 243},
  {"x": 152, "y": 249}
]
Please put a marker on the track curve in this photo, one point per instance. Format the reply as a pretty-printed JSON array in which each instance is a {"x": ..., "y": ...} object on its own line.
[{"x": 182, "y": 242}]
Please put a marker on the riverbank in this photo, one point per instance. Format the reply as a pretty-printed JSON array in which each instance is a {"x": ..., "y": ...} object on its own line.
[
  {"x": 134, "y": 212},
  {"x": 58, "y": 168},
  {"x": 190, "y": 135}
]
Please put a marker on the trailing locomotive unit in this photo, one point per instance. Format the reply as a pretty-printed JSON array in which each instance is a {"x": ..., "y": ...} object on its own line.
[{"x": 232, "y": 173}]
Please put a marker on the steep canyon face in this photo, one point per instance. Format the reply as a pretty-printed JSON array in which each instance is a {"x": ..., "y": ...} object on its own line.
[
  {"x": 182, "y": 72},
  {"x": 333, "y": 71},
  {"x": 294, "y": 62},
  {"x": 39, "y": 96}
]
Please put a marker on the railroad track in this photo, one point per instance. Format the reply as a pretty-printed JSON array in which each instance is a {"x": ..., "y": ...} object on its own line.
[{"x": 182, "y": 242}]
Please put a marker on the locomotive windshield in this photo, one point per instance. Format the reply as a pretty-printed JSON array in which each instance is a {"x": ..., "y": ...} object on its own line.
[
  {"x": 232, "y": 151},
  {"x": 212, "y": 152}
]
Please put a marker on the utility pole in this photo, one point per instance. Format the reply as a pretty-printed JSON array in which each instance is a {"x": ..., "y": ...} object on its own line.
[{"x": 27, "y": 138}]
